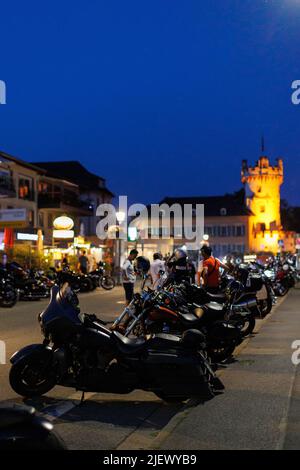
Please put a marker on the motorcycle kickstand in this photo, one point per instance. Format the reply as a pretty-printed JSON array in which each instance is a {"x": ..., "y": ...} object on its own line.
[{"x": 82, "y": 399}]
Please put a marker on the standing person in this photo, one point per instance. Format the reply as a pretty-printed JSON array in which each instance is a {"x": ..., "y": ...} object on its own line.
[
  {"x": 91, "y": 262},
  {"x": 4, "y": 261},
  {"x": 157, "y": 265},
  {"x": 83, "y": 263},
  {"x": 178, "y": 267},
  {"x": 65, "y": 263},
  {"x": 129, "y": 276},
  {"x": 210, "y": 272},
  {"x": 191, "y": 271}
]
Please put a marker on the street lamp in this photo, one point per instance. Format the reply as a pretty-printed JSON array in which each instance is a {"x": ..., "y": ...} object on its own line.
[{"x": 120, "y": 215}]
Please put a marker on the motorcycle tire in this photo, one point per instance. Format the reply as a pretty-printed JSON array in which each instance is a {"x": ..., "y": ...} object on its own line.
[
  {"x": 86, "y": 285},
  {"x": 107, "y": 282},
  {"x": 282, "y": 290},
  {"x": 19, "y": 378},
  {"x": 9, "y": 303},
  {"x": 25, "y": 440},
  {"x": 265, "y": 306},
  {"x": 246, "y": 324}
]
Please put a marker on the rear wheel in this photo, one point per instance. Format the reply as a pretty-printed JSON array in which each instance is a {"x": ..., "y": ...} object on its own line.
[
  {"x": 265, "y": 306},
  {"x": 107, "y": 282},
  {"x": 86, "y": 285},
  {"x": 30, "y": 378}
]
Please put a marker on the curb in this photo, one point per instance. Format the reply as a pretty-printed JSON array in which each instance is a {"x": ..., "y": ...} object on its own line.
[{"x": 186, "y": 410}]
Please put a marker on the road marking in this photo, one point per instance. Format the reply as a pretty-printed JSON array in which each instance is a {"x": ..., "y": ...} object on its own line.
[{"x": 53, "y": 412}]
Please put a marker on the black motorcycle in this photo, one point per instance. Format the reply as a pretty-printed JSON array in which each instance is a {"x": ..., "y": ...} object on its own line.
[
  {"x": 8, "y": 293},
  {"x": 78, "y": 351},
  {"x": 28, "y": 287},
  {"x": 21, "y": 429},
  {"x": 77, "y": 282},
  {"x": 163, "y": 311},
  {"x": 101, "y": 279}
]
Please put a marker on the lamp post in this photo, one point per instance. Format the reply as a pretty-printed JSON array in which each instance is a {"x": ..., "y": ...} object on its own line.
[{"x": 120, "y": 219}]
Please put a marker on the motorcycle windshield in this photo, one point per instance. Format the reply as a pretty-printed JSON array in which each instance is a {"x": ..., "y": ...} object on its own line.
[{"x": 61, "y": 306}]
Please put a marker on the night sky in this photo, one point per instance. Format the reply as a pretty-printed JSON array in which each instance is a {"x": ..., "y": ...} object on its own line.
[{"x": 160, "y": 97}]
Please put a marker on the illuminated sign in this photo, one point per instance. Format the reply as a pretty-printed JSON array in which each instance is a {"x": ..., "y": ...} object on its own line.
[
  {"x": 27, "y": 236},
  {"x": 13, "y": 218},
  {"x": 63, "y": 233},
  {"x": 63, "y": 223}
]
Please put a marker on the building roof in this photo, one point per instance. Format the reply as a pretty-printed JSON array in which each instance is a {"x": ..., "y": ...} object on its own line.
[
  {"x": 75, "y": 172},
  {"x": 233, "y": 203},
  {"x": 30, "y": 166}
]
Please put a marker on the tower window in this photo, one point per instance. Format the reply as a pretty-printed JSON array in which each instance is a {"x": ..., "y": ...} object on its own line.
[{"x": 223, "y": 211}]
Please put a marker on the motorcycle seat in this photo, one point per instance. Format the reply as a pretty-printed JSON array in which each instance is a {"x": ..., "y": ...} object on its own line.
[
  {"x": 128, "y": 345},
  {"x": 11, "y": 415},
  {"x": 189, "y": 319},
  {"x": 214, "y": 306},
  {"x": 216, "y": 297}
]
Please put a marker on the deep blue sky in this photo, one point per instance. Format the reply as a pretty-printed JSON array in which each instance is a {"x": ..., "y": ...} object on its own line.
[{"x": 161, "y": 97}]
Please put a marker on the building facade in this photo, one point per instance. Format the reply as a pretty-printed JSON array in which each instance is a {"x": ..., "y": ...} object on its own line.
[
  {"x": 19, "y": 189},
  {"x": 262, "y": 187},
  {"x": 91, "y": 188}
]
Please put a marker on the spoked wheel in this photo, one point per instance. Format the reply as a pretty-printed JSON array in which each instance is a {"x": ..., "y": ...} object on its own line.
[
  {"x": 107, "y": 282},
  {"x": 245, "y": 324},
  {"x": 30, "y": 377},
  {"x": 265, "y": 306},
  {"x": 282, "y": 290}
]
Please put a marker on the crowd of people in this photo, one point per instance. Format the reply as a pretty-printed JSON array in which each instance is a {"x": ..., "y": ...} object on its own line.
[{"x": 177, "y": 267}]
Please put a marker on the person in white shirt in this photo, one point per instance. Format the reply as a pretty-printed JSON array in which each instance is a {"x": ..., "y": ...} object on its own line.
[
  {"x": 157, "y": 265},
  {"x": 129, "y": 276}
]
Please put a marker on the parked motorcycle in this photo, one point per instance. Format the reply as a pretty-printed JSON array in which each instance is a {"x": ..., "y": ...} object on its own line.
[
  {"x": 27, "y": 286},
  {"x": 77, "y": 282},
  {"x": 101, "y": 279},
  {"x": 8, "y": 293},
  {"x": 78, "y": 351},
  {"x": 22, "y": 429}
]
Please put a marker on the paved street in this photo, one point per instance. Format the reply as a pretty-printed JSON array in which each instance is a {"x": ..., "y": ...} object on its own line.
[{"x": 259, "y": 409}]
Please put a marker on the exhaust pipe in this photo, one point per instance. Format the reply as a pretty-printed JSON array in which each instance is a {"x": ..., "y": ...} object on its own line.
[{"x": 247, "y": 304}]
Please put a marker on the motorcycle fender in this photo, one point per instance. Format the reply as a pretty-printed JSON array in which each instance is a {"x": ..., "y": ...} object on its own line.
[{"x": 30, "y": 350}]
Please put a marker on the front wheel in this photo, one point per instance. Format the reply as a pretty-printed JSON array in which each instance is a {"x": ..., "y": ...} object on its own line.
[
  {"x": 30, "y": 378},
  {"x": 246, "y": 324},
  {"x": 265, "y": 306},
  {"x": 9, "y": 300},
  {"x": 282, "y": 290},
  {"x": 107, "y": 282}
]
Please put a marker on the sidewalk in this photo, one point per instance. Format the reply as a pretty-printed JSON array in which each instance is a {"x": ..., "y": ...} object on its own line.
[{"x": 260, "y": 408}]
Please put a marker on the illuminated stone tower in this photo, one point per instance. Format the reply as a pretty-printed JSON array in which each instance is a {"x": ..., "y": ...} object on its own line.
[{"x": 262, "y": 185}]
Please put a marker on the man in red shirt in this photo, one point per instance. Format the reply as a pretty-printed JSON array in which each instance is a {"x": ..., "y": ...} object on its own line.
[{"x": 210, "y": 272}]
